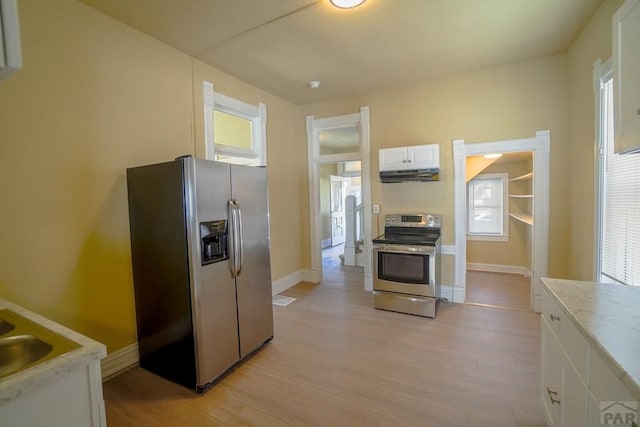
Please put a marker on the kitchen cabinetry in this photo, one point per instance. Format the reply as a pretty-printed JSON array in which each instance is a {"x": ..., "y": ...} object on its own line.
[
  {"x": 575, "y": 380},
  {"x": 626, "y": 68},
  {"x": 563, "y": 368},
  {"x": 412, "y": 157},
  {"x": 523, "y": 201},
  {"x": 74, "y": 399}
]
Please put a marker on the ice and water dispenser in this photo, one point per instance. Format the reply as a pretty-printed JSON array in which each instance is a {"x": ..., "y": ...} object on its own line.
[{"x": 213, "y": 236}]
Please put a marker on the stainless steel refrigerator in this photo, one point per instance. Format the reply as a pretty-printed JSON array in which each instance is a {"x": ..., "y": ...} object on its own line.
[{"x": 201, "y": 266}]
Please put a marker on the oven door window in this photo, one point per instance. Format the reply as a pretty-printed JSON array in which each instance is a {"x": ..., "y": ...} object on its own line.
[{"x": 406, "y": 268}]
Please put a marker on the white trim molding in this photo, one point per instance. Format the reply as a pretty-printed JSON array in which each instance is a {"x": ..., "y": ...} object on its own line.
[
  {"x": 284, "y": 283},
  {"x": 314, "y": 158},
  {"x": 540, "y": 146},
  {"x": 497, "y": 268},
  {"x": 119, "y": 361}
]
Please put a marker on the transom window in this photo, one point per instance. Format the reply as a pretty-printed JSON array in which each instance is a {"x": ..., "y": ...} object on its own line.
[{"x": 235, "y": 131}]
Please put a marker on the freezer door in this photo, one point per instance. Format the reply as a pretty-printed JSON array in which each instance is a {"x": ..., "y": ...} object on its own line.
[
  {"x": 253, "y": 284},
  {"x": 214, "y": 292}
]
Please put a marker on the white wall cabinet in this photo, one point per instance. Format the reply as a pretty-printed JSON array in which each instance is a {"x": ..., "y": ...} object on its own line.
[
  {"x": 574, "y": 378},
  {"x": 412, "y": 157},
  {"x": 626, "y": 68}
]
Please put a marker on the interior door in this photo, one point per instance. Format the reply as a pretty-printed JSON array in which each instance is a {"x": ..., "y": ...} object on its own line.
[{"x": 337, "y": 195}]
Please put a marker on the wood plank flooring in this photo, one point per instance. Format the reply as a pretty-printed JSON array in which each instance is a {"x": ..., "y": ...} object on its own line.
[
  {"x": 335, "y": 361},
  {"x": 499, "y": 289}
]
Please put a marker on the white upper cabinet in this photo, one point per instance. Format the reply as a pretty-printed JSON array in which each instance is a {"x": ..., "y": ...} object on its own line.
[
  {"x": 413, "y": 157},
  {"x": 626, "y": 84}
]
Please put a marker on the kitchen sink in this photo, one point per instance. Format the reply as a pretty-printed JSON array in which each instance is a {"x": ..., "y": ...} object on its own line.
[
  {"x": 5, "y": 327},
  {"x": 19, "y": 351},
  {"x": 25, "y": 343}
]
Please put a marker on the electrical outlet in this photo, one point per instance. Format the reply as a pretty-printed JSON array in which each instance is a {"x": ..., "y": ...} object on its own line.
[{"x": 376, "y": 209}]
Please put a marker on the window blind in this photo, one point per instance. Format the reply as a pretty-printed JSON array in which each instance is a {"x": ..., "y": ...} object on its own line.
[
  {"x": 486, "y": 206},
  {"x": 621, "y": 207}
]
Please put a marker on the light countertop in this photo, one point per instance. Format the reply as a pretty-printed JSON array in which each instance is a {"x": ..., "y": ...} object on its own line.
[
  {"x": 608, "y": 316},
  {"x": 35, "y": 377}
]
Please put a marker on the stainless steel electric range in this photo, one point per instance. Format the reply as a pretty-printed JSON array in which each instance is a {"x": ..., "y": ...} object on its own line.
[{"x": 405, "y": 262}]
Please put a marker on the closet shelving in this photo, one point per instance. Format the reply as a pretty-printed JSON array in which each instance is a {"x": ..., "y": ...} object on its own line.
[{"x": 525, "y": 217}]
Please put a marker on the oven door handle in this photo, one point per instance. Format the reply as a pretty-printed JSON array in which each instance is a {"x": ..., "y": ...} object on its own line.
[{"x": 406, "y": 250}]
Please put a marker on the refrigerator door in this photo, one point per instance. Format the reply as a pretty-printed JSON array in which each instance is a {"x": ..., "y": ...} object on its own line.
[
  {"x": 253, "y": 284},
  {"x": 214, "y": 292}
]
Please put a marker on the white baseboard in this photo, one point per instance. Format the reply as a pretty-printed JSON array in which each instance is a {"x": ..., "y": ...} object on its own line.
[
  {"x": 458, "y": 294},
  {"x": 497, "y": 268},
  {"x": 446, "y": 291},
  {"x": 368, "y": 283},
  {"x": 312, "y": 276},
  {"x": 326, "y": 243},
  {"x": 119, "y": 361},
  {"x": 286, "y": 282}
]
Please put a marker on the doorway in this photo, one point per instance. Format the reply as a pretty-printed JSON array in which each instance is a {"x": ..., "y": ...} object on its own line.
[
  {"x": 499, "y": 229},
  {"x": 539, "y": 146},
  {"x": 335, "y": 145}
]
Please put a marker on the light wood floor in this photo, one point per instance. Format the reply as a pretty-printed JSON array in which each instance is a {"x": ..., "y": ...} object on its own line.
[
  {"x": 335, "y": 361},
  {"x": 501, "y": 289}
]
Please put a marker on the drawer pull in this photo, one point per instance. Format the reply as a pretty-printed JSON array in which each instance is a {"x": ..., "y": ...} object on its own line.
[
  {"x": 552, "y": 317},
  {"x": 552, "y": 396}
]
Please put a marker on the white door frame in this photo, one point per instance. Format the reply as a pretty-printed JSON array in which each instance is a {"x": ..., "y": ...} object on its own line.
[
  {"x": 540, "y": 146},
  {"x": 314, "y": 126}
]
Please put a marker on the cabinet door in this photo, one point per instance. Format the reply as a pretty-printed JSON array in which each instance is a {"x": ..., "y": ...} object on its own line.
[
  {"x": 393, "y": 159},
  {"x": 423, "y": 156},
  {"x": 551, "y": 370},
  {"x": 574, "y": 396},
  {"x": 626, "y": 67}
]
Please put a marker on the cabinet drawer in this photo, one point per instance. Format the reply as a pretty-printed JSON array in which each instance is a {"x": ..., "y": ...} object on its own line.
[{"x": 572, "y": 342}]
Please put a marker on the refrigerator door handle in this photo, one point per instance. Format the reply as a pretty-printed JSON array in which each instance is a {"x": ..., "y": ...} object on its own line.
[
  {"x": 239, "y": 239},
  {"x": 232, "y": 237}
]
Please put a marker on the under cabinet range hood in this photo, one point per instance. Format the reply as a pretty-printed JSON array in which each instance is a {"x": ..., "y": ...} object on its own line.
[{"x": 420, "y": 175}]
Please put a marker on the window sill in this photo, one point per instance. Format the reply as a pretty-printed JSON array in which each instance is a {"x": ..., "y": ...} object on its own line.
[{"x": 482, "y": 238}]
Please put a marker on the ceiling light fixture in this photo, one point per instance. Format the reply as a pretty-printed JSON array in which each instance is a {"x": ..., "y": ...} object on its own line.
[
  {"x": 346, "y": 4},
  {"x": 492, "y": 156},
  {"x": 314, "y": 84}
]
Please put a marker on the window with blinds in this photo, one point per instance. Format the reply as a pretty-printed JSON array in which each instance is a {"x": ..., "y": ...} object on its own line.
[
  {"x": 487, "y": 206},
  {"x": 620, "y": 203}
]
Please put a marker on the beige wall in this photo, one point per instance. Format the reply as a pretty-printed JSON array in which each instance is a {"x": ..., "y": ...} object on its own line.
[
  {"x": 512, "y": 101},
  {"x": 514, "y": 251},
  {"x": 286, "y": 160},
  {"x": 594, "y": 42},
  {"x": 93, "y": 98}
]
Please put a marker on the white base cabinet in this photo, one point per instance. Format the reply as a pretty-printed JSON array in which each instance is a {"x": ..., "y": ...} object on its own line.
[
  {"x": 575, "y": 380},
  {"x": 73, "y": 399}
]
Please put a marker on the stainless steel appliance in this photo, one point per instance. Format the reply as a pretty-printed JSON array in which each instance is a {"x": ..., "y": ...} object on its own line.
[
  {"x": 201, "y": 266},
  {"x": 406, "y": 274}
]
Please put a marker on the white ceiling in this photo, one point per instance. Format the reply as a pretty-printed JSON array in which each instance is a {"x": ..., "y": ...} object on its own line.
[{"x": 281, "y": 45}]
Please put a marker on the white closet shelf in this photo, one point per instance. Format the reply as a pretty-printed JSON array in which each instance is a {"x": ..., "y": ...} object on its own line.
[
  {"x": 527, "y": 219},
  {"x": 524, "y": 177}
]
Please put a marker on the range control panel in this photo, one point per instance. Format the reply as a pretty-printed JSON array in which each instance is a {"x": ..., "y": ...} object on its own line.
[{"x": 413, "y": 220}]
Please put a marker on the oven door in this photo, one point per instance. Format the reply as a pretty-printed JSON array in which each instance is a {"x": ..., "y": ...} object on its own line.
[{"x": 404, "y": 269}]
